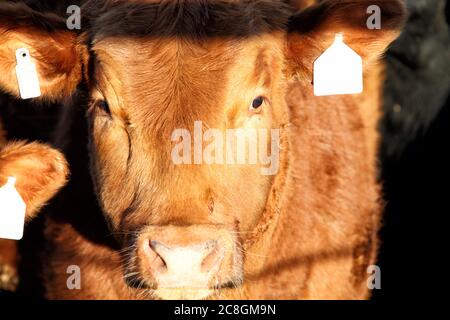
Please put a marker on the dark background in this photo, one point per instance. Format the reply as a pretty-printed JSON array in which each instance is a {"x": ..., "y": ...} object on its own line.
[
  {"x": 414, "y": 162},
  {"x": 414, "y": 153}
]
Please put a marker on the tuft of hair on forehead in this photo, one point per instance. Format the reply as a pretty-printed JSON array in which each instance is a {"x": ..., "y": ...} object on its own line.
[{"x": 193, "y": 19}]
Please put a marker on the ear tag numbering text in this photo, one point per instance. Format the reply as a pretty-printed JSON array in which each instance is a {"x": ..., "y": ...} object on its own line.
[
  {"x": 27, "y": 76},
  {"x": 339, "y": 70},
  {"x": 12, "y": 211}
]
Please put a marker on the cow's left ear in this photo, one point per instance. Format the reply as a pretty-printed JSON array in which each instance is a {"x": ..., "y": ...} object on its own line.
[
  {"x": 54, "y": 49},
  {"x": 313, "y": 30}
]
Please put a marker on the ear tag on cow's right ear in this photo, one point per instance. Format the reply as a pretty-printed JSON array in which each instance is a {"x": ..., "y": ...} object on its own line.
[
  {"x": 12, "y": 211},
  {"x": 27, "y": 76},
  {"x": 339, "y": 70}
]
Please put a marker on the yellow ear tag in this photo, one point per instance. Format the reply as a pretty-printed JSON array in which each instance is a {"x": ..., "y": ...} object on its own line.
[
  {"x": 12, "y": 211},
  {"x": 27, "y": 76},
  {"x": 339, "y": 70}
]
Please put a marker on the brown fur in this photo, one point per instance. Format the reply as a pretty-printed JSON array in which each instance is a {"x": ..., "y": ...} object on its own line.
[
  {"x": 161, "y": 67},
  {"x": 41, "y": 170},
  {"x": 56, "y": 63}
]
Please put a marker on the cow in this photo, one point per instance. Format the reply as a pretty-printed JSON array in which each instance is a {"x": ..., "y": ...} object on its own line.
[
  {"x": 140, "y": 71},
  {"x": 40, "y": 171},
  {"x": 413, "y": 129},
  {"x": 422, "y": 64}
]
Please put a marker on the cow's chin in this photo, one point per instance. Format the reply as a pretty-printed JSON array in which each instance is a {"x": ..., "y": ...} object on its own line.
[{"x": 183, "y": 293}]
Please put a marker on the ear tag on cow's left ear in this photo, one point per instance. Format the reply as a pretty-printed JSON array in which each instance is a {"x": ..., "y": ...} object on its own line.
[
  {"x": 12, "y": 211},
  {"x": 27, "y": 76},
  {"x": 339, "y": 70}
]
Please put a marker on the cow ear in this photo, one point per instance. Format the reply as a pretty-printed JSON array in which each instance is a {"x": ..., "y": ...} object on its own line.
[
  {"x": 313, "y": 30},
  {"x": 301, "y": 4},
  {"x": 54, "y": 50},
  {"x": 40, "y": 171}
]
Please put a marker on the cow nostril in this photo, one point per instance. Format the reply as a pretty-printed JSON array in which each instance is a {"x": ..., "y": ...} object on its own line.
[
  {"x": 213, "y": 256},
  {"x": 199, "y": 260},
  {"x": 156, "y": 261}
]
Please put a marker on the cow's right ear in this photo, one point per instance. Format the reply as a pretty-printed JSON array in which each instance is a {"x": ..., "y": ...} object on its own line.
[{"x": 55, "y": 50}]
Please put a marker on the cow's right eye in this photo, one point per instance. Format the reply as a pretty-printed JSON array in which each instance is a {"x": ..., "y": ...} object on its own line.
[{"x": 104, "y": 107}]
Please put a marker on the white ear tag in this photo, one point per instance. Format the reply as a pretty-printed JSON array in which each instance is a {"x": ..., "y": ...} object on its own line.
[
  {"x": 339, "y": 70},
  {"x": 27, "y": 76},
  {"x": 12, "y": 211}
]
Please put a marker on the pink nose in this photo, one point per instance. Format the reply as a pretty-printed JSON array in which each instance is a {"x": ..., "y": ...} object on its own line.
[
  {"x": 191, "y": 261},
  {"x": 184, "y": 266}
]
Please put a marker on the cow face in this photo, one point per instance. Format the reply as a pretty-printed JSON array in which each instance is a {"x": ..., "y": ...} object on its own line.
[
  {"x": 154, "y": 97},
  {"x": 168, "y": 82}
]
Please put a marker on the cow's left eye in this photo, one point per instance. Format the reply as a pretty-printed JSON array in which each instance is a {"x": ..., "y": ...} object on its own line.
[{"x": 257, "y": 103}]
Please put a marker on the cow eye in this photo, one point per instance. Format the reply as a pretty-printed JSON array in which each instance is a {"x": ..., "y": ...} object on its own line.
[
  {"x": 104, "y": 107},
  {"x": 257, "y": 103}
]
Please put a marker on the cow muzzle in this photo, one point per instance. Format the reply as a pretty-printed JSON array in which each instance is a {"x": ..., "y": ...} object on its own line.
[{"x": 189, "y": 262}]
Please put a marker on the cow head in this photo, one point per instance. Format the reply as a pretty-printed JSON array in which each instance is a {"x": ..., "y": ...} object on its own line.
[{"x": 155, "y": 71}]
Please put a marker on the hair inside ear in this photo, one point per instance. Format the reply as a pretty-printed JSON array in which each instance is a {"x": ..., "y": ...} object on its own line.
[{"x": 313, "y": 30}]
